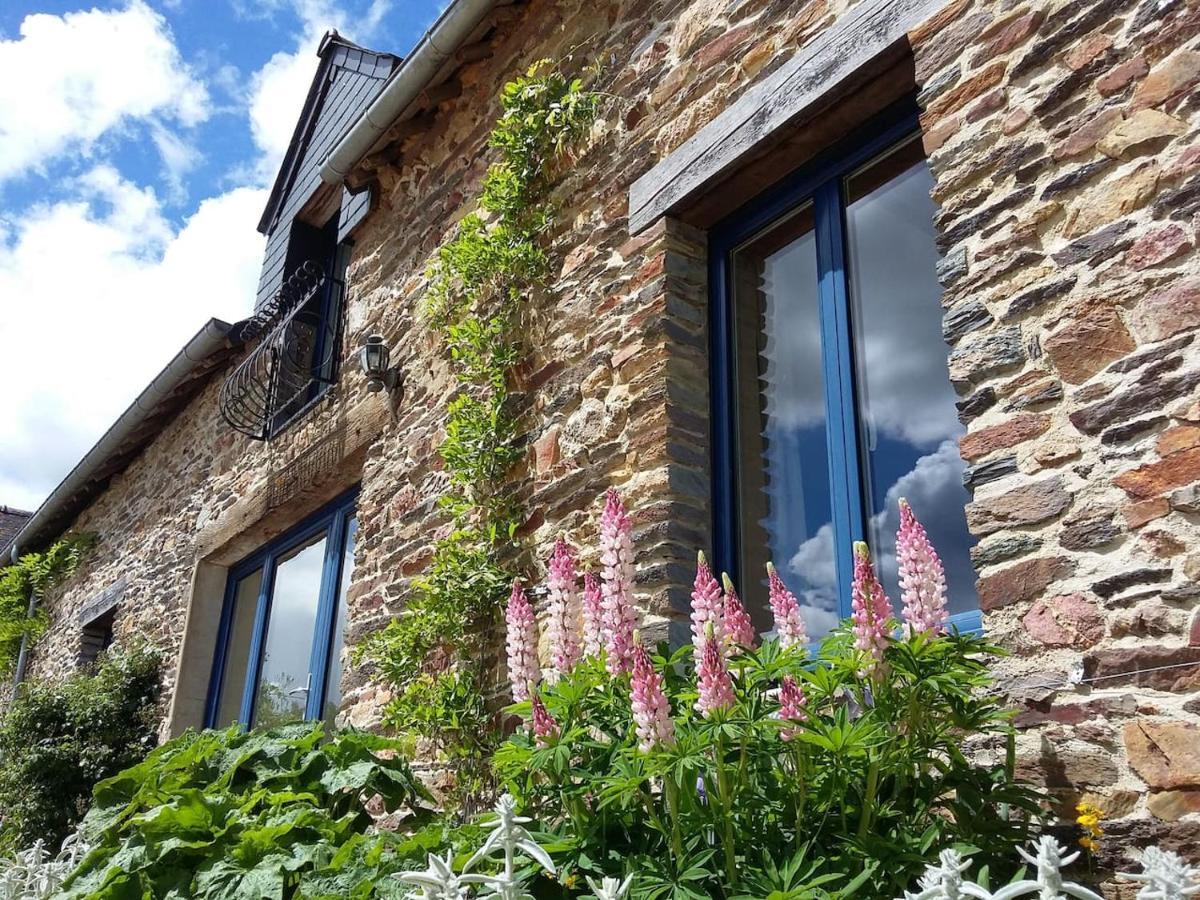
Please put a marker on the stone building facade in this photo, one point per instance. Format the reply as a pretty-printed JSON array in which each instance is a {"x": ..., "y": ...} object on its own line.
[{"x": 1062, "y": 142}]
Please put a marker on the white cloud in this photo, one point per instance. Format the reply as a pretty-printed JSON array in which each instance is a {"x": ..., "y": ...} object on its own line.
[
  {"x": 101, "y": 291},
  {"x": 935, "y": 491},
  {"x": 71, "y": 79},
  {"x": 277, "y": 97},
  {"x": 277, "y": 90}
]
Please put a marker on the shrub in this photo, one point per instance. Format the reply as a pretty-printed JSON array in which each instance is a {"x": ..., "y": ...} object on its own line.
[
  {"x": 58, "y": 739},
  {"x": 277, "y": 813},
  {"x": 726, "y": 769}
]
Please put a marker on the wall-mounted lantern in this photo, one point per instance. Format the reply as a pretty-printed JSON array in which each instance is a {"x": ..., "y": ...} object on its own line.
[{"x": 374, "y": 357}]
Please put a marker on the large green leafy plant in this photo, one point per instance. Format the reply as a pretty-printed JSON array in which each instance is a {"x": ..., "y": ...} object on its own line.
[
  {"x": 58, "y": 739},
  {"x": 736, "y": 767},
  {"x": 281, "y": 813}
]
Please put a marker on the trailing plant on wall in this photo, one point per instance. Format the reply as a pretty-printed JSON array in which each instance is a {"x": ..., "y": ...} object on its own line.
[
  {"x": 58, "y": 739},
  {"x": 33, "y": 575},
  {"x": 736, "y": 767},
  {"x": 478, "y": 283}
]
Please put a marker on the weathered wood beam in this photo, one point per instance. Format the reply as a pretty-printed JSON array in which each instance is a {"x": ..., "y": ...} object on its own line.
[
  {"x": 471, "y": 53},
  {"x": 864, "y": 35}
]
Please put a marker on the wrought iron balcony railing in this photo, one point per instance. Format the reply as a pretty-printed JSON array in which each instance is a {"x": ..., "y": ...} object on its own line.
[{"x": 295, "y": 360}]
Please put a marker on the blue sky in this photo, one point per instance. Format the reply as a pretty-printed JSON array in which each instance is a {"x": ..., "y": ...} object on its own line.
[{"x": 137, "y": 140}]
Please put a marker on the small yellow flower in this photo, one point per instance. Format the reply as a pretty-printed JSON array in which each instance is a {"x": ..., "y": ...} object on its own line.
[{"x": 1088, "y": 820}]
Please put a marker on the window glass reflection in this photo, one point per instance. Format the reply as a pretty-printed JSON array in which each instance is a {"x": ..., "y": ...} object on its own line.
[
  {"x": 908, "y": 424},
  {"x": 283, "y": 686},
  {"x": 783, "y": 489},
  {"x": 237, "y": 656},
  {"x": 333, "y": 693}
]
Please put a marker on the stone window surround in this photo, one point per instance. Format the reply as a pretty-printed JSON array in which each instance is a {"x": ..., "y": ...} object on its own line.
[{"x": 252, "y": 523}]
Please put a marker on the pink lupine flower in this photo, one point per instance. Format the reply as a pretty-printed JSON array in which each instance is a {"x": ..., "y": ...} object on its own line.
[
  {"x": 651, "y": 712},
  {"x": 789, "y": 624},
  {"x": 922, "y": 578},
  {"x": 562, "y": 625},
  {"x": 545, "y": 728},
  {"x": 871, "y": 608},
  {"x": 593, "y": 616},
  {"x": 714, "y": 682},
  {"x": 522, "y": 640},
  {"x": 616, "y": 583},
  {"x": 739, "y": 629},
  {"x": 708, "y": 608},
  {"x": 792, "y": 702}
]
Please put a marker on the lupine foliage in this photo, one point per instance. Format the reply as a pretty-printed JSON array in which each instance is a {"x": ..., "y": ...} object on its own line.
[{"x": 734, "y": 770}]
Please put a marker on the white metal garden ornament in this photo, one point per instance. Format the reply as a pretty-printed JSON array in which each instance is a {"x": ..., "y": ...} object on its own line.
[
  {"x": 438, "y": 881},
  {"x": 1165, "y": 877}
]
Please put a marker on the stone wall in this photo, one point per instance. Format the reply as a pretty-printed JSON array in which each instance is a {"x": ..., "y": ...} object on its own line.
[{"x": 1062, "y": 140}]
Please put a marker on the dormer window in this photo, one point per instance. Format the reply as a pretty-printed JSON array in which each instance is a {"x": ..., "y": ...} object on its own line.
[{"x": 295, "y": 334}]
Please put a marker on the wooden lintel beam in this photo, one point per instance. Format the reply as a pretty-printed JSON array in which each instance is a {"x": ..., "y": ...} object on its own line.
[
  {"x": 438, "y": 93},
  {"x": 473, "y": 52},
  {"x": 389, "y": 155},
  {"x": 421, "y": 122}
]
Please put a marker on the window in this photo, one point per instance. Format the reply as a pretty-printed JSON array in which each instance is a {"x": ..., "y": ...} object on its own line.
[
  {"x": 308, "y": 354},
  {"x": 279, "y": 648},
  {"x": 831, "y": 394},
  {"x": 96, "y": 637}
]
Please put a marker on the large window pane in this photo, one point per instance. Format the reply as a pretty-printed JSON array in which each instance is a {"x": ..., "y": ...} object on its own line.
[
  {"x": 908, "y": 425},
  {"x": 283, "y": 684},
  {"x": 333, "y": 693},
  {"x": 237, "y": 652},
  {"x": 783, "y": 478}
]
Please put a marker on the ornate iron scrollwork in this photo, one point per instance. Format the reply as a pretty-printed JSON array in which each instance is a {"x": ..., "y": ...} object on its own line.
[{"x": 297, "y": 354}]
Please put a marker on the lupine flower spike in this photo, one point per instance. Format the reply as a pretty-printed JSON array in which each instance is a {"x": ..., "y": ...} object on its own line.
[
  {"x": 563, "y": 621},
  {"x": 545, "y": 728},
  {"x": 715, "y": 684},
  {"x": 922, "y": 577},
  {"x": 593, "y": 616},
  {"x": 739, "y": 630},
  {"x": 791, "y": 705},
  {"x": 651, "y": 712},
  {"x": 708, "y": 609},
  {"x": 523, "y": 668},
  {"x": 871, "y": 610},
  {"x": 616, "y": 583},
  {"x": 789, "y": 624}
]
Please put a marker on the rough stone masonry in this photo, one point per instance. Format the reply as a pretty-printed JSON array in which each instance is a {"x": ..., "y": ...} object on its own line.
[{"x": 1063, "y": 138}]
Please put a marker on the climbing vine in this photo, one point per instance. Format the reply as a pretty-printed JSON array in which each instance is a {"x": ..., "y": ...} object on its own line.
[
  {"x": 32, "y": 575},
  {"x": 478, "y": 284}
]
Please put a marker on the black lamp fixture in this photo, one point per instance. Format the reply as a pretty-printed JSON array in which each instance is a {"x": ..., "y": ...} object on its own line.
[{"x": 374, "y": 356}]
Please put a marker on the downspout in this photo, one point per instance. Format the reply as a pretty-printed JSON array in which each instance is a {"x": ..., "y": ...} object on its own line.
[{"x": 440, "y": 42}]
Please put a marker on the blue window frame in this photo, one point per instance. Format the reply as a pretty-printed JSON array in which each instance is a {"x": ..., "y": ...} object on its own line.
[
  {"x": 278, "y": 654},
  {"x": 817, "y": 427}
]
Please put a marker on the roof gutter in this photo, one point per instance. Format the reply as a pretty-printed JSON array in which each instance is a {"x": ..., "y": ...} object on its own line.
[
  {"x": 448, "y": 33},
  {"x": 213, "y": 336}
]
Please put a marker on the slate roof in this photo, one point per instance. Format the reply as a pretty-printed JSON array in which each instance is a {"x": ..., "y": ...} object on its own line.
[
  {"x": 11, "y": 521},
  {"x": 335, "y": 52}
]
